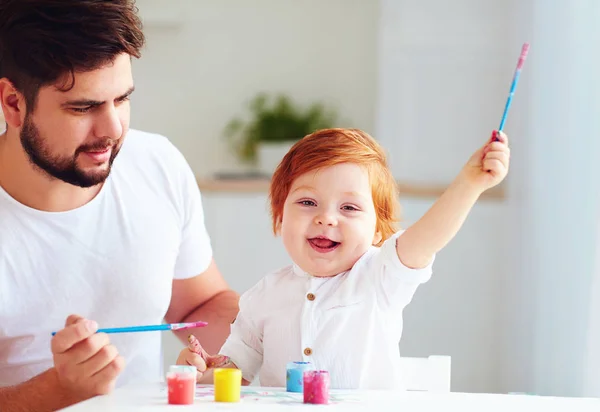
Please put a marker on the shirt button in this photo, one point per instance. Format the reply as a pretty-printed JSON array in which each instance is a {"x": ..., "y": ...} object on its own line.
[
  {"x": 308, "y": 351},
  {"x": 310, "y": 297}
]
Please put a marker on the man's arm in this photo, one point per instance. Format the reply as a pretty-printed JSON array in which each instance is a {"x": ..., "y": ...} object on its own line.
[
  {"x": 41, "y": 393},
  {"x": 205, "y": 297}
]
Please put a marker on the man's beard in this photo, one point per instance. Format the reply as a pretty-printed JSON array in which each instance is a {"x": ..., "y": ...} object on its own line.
[{"x": 64, "y": 168}]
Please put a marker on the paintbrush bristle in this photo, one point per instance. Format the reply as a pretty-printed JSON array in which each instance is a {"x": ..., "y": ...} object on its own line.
[
  {"x": 190, "y": 325},
  {"x": 523, "y": 56}
]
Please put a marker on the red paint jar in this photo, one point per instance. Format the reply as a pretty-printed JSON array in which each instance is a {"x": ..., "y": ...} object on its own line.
[
  {"x": 181, "y": 384},
  {"x": 316, "y": 387}
]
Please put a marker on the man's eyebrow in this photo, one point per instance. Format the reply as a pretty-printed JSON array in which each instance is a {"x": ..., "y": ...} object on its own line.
[
  {"x": 126, "y": 94},
  {"x": 89, "y": 102}
]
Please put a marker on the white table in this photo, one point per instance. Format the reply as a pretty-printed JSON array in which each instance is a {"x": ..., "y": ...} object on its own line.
[{"x": 153, "y": 397}]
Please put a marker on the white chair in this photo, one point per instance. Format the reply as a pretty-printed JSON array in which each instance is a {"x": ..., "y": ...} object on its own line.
[{"x": 431, "y": 374}]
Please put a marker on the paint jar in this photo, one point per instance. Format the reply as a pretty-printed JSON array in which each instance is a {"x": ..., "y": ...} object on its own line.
[
  {"x": 316, "y": 387},
  {"x": 294, "y": 376},
  {"x": 228, "y": 384},
  {"x": 181, "y": 384}
]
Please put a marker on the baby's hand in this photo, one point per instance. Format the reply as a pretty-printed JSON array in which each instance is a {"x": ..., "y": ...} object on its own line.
[
  {"x": 489, "y": 165},
  {"x": 187, "y": 357},
  {"x": 195, "y": 355}
]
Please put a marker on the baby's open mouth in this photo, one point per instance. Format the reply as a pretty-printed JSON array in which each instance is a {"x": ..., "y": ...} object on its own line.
[{"x": 323, "y": 244}]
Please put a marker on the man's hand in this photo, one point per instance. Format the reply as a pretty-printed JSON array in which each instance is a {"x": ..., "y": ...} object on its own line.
[{"x": 86, "y": 363}]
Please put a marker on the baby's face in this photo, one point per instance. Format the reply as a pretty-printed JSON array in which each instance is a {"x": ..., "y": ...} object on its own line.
[{"x": 329, "y": 219}]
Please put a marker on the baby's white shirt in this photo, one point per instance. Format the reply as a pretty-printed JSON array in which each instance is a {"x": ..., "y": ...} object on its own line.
[{"x": 349, "y": 324}]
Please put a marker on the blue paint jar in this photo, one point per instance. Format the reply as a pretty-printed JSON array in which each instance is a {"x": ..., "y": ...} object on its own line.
[{"x": 295, "y": 375}]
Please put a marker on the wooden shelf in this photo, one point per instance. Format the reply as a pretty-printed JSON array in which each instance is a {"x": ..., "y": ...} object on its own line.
[{"x": 262, "y": 186}]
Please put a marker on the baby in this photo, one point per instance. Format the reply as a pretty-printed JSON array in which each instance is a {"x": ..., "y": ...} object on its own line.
[{"x": 334, "y": 202}]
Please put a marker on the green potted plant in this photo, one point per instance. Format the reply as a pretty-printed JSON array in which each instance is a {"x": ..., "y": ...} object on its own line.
[{"x": 274, "y": 126}]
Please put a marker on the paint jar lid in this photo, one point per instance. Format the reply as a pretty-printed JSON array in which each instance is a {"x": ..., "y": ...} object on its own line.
[
  {"x": 300, "y": 366},
  {"x": 182, "y": 371},
  {"x": 227, "y": 373},
  {"x": 316, "y": 375}
]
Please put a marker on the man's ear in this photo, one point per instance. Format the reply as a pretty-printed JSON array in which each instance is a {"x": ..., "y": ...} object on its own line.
[{"x": 12, "y": 103}]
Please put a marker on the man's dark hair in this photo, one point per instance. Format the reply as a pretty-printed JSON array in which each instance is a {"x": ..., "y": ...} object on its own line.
[{"x": 44, "y": 41}]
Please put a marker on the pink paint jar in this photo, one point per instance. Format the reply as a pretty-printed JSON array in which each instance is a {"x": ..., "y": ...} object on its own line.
[
  {"x": 181, "y": 384},
  {"x": 316, "y": 387}
]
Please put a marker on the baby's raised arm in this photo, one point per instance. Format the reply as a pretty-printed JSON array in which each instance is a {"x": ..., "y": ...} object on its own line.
[{"x": 486, "y": 168}]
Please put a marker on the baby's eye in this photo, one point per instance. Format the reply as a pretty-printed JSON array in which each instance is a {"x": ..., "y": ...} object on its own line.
[
  {"x": 307, "y": 202},
  {"x": 349, "y": 207}
]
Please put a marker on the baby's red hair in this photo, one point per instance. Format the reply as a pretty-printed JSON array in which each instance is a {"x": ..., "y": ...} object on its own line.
[{"x": 329, "y": 147}]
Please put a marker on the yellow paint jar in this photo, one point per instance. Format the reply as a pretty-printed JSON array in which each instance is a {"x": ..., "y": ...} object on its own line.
[{"x": 228, "y": 384}]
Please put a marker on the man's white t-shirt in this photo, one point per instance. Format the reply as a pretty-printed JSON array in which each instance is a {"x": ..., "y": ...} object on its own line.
[
  {"x": 112, "y": 260},
  {"x": 349, "y": 324}
]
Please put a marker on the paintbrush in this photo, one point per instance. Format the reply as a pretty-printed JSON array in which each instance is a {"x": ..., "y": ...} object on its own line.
[
  {"x": 513, "y": 86},
  {"x": 150, "y": 328}
]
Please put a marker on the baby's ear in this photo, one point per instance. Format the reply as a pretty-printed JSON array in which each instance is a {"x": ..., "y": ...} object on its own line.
[
  {"x": 377, "y": 238},
  {"x": 278, "y": 228}
]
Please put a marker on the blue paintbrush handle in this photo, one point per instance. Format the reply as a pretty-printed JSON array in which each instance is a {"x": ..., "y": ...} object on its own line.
[
  {"x": 509, "y": 100},
  {"x": 146, "y": 328}
]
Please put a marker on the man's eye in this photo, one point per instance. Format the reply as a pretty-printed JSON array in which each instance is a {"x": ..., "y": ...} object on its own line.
[{"x": 81, "y": 109}]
